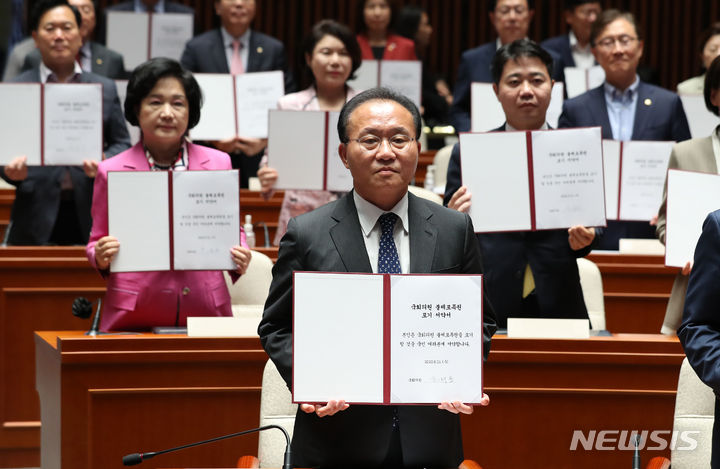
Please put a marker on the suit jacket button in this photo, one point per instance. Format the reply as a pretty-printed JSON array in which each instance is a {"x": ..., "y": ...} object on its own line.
[{"x": 185, "y": 291}]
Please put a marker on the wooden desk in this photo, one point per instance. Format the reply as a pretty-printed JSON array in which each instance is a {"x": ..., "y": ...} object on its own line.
[
  {"x": 636, "y": 290},
  {"x": 103, "y": 398}
]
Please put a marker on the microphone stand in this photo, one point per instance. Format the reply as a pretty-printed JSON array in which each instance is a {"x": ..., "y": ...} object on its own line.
[
  {"x": 94, "y": 328},
  {"x": 137, "y": 458}
]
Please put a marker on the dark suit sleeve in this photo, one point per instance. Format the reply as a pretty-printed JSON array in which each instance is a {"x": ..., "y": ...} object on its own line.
[
  {"x": 116, "y": 135},
  {"x": 566, "y": 117},
  {"x": 275, "y": 328},
  {"x": 680, "y": 128},
  {"x": 188, "y": 59},
  {"x": 280, "y": 63},
  {"x": 453, "y": 178},
  {"x": 699, "y": 332},
  {"x": 460, "y": 109}
]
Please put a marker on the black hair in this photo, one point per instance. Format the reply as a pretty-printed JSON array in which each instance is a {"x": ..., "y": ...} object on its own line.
[
  {"x": 572, "y": 4},
  {"x": 513, "y": 51},
  {"x": 144, "y": 78},
  {"x": 712, "y": 83},
  {"x": 408, "y": 21},
  {"x": 706, "y": 35},
  {"x": 340, "y": 31},
  {"x": 493, "y": 4},
  {"x": 43, "y": 6},
  {"x": 607, "y": 17},
  {"x": 376, "y": 94}
]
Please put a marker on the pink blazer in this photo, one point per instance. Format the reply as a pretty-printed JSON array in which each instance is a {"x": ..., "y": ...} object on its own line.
[
  {"x": 397, "y": 48},
  {"x": 142, "y": 300}
]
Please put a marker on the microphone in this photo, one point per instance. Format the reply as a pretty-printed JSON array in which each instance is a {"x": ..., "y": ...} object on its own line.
[
  {"x": 265, "y": 231},
  {"x": 137, "y": 458},
  {"x": 636, "y": 455},
  {"x": 82, "y": 308}
]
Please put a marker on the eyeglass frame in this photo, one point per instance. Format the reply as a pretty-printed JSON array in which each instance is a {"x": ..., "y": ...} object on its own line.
[
  {"x": 608, "y": 43},
  {"x": 381, "y": 140}
]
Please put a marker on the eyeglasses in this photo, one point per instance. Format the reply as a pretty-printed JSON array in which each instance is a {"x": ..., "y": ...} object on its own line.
[
  {"x": 506, "y": 10},
  {"x": 398, "y": 142},
  {"x": 609, "y": 42},
  {"x": 587, "y": 12}
]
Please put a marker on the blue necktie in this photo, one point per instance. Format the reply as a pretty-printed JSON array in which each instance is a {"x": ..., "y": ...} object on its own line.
[{"x": 388, "y": 260}]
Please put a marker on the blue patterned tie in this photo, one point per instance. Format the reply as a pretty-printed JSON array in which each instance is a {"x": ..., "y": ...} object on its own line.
[{"x": 388, "y": 261}]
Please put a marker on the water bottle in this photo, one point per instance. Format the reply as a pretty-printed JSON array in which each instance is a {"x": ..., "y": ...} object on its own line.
[{"x": 249, "y": 231}]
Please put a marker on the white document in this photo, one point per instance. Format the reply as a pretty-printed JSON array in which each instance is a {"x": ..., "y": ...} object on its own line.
[
  {"x": 255, "y": 94},
  {"x": 168, "y": 34},
  {"x": 73, "y": 124},
  {"x": 139, "y": 217},
  {"x": 217, "y": 119},
  {"x": 580, "y": 80},
  {"x": 432, "y": 351},
  {"x": 133, "y": 130},
  {"x": 566, "y": 171},
  {"x": 436, "y": 352},
  {"x": 702, "y": 122},
  {"x": 691, "y": 197},
  {"x": 20, "y": 122},
  {"x": 404, "y": 76},
  {"x": 296, "y": 148},
  {"x": 338, "y": 338},
  {"x": 611, "y": 166},
  {"x": 568, "y": 178},
  {"x": 367, "y": 76},
  {"x": 339, "y": 178},
  {"x": 495, "y": 170},
  {"x": 643, "y": 169},
  {"x": 129, "y": 34},
  {"x": 487, "y": 114},
  {"x": 206, "y": 219}
]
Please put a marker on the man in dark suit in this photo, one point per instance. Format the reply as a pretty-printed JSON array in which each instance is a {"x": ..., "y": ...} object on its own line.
[
  {"x": 378, "y": 130},
  {"x": 143, "y": 6},
  {"x": 574, "y": 47},
  {"x": 52, "y": 203},
  {"x": 699, "y": 332},
  {"x": 514, "y": 261},
  {"x": 215, "y": 52},
  {"x": 511, "y": 19},
  {"x": 624, "y": 106},
  {"x": 93, "y": 56}
]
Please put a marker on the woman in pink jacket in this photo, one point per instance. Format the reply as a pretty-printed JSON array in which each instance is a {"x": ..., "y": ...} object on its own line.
[
  {"x": 164, "y": 100},
  {"x": 332, "y": 55}
]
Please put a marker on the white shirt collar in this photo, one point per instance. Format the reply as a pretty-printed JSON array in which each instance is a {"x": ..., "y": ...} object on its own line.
[
  {"x": 369, "y": 213},
  {"x": 228, "y": 39},
  {"x": 45, "y": 72},
  {"x": 510, "y": 128}
]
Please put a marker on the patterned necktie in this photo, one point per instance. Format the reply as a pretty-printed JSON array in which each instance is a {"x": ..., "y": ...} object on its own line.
[
  {"x": 388, "y": 260},
  {"x": 236, "y": 66}
]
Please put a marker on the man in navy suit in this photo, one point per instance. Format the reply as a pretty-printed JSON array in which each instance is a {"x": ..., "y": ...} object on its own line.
[
  {"x": 574, "y": 47},
  {"x": 624, "y": 106},
  {"x": 52, "y": 203},
  {"x": 699, "y": 332},
  {"x": 213, "y": 52},
  {"x": 511, "y": 19},
  {"x": 521, "y": 80}
]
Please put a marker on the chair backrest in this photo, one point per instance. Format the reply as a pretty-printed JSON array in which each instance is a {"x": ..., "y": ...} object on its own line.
[
  {"x": 276, "y": 408},
  {"x": 694, "y": 412},
  {"x": 592, "y": 288},
  {"x": 441, "y": 162},
  {"x": 425, "y": 194},
  {"x": 252, "y": 287}
]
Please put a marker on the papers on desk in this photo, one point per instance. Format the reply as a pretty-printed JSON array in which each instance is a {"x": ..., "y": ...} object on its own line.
[
  {"x": 580, "y": 80},
  {"x": 534, "y": 180},
  {"x": 387, "y": 339},
  {"x": 691, "y": 196},
  {"x": 52, "y": 124},
  {"x": 303, "y": 147},
  {"x": 142, "y": 36},
  {"x": 487, "y": 114},
  {"x": 404, "y": 76},
  {"x": 237, "y": 104},
  {"x": 174, "y": 220},
  {"x": 702, "y": 122},
  {"x": 634, "y": 178}
]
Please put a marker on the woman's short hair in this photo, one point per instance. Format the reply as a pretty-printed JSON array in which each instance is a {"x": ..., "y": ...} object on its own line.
[
  {"x": 340, "y": 31},
  {"x": 712, "y": 83},
  {"x": 408, "y": 21},
  {"x": 144, "y": 78}
]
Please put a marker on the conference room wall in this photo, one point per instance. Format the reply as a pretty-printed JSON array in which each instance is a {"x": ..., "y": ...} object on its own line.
[{"x": 671, "y": 27}]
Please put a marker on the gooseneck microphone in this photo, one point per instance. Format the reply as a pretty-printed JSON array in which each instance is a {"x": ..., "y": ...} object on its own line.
[
  {"x": 82, "y": 308},
  {"x": 137, "y": 458}
]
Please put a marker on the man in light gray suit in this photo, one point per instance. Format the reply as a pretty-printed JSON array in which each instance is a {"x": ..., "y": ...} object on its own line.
[
  {"x": 52, "y": 203},
  {"x": 93, "y": 56},
  {"x": 378, "y": 130}
]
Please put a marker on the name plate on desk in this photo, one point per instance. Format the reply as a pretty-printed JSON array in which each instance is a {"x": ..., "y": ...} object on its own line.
[
  {"x": 548, "y": 328},
  {"x": 222, "y": 326}
]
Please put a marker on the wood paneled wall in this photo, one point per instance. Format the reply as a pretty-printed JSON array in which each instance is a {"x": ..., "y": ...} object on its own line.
[{"x": 671, "y": 28}]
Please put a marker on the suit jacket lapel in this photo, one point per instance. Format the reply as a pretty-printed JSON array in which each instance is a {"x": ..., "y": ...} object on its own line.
[
  {"x": 601, "y": 111},
  {"x": 197, "y": 160},
  {"x": 255, "y": 52},
  {"x": 348, "y": 238},
  {"x": 98, "y": 61},
  {"x": 642, "y": 111},
  {"x": 423, "y": 236},
  {"x": 217, "y": 54},
  {"x": 136, "y": 159}
]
